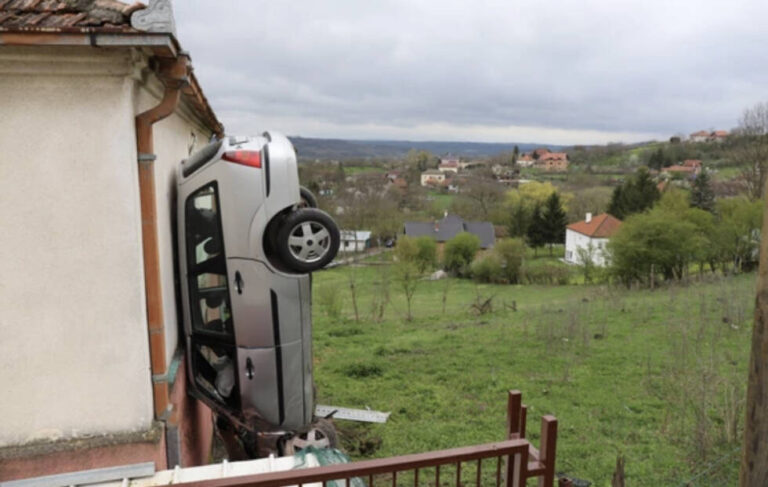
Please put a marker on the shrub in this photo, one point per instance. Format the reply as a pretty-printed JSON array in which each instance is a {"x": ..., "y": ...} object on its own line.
[
  {"x": 426, "y": 253},
  {"x": 406, "y": 249},
  {"x": 460, "y": 252},
  {"x": 421, "y": 251},
  {"x": 547, "y": 274},
  {"x": 329, "y": 300},
  {"x": 511, "y": 252},
  {"x": 487, "y": 269}
]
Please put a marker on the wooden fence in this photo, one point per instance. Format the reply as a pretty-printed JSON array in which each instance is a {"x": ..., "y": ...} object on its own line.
[{"x": 503, "y": 464}]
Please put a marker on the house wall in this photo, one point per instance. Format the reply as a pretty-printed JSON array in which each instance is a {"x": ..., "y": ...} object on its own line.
[
  {"x": 354, "y": 245},
  {"x": 74, "y": 354},
  {"x": 427, "y": 179},
  {"x": 576, "y": 240}
]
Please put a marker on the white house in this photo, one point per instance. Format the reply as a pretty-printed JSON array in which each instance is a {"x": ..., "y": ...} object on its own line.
[
  {"x": 449, "y": 166},
  {"x": 590, "y": 237},
  {"x": 99, "y": 106},
  {"x": 700, "y": 136},
  {"x": 355, "y": 240},
  {"x": 432, "y": 177}
]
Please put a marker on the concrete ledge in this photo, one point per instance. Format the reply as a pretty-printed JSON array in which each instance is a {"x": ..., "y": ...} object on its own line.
[
  {"x": 46, "y": 447},
  {"x": 65, "y": 456}
]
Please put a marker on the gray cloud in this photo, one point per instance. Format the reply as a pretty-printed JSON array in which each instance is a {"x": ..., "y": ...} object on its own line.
[{"x": 552, "y": 71}]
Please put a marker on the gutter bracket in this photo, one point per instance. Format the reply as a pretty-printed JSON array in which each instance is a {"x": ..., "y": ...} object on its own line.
[{"x": 146, "y": 158}]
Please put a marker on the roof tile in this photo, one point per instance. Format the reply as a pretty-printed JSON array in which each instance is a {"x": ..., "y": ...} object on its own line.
[{"x": 88, "y": 15}]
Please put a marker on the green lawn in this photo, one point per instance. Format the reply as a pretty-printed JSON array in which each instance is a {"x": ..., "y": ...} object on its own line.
[
  {"x": 356, "y": 170},
  {"x": 442, "y": 200},
  {"x": 657, "y": 376}
]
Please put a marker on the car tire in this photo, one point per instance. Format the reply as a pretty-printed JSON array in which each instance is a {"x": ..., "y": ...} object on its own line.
[
  {"x": 308, "y": 200},
  {"x": 307, "y": 240}
]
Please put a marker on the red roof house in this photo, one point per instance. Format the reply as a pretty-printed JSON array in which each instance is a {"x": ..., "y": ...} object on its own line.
[{"x": 589, "y": 237}]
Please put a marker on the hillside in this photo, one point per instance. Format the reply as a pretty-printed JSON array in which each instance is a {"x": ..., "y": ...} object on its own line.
[{"x": 340, "y": 149}]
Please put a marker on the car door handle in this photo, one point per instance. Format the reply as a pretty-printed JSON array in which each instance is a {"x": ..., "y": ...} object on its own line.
[
  {"x": 249, "y": 369},
  {"x": 238, "y": 282}
]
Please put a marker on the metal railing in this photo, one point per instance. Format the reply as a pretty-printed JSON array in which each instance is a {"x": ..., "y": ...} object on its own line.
[{"x": 509, "y": 469}]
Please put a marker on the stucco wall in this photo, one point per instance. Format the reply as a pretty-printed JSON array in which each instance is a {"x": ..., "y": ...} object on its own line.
[
  {"x": 73, "y": 354},
  {"x": 576, "y": 240},
  {"x": 74, "y": 357}
]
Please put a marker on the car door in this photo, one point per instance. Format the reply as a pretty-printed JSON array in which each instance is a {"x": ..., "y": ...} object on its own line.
[{"x": 273, "y": 341}]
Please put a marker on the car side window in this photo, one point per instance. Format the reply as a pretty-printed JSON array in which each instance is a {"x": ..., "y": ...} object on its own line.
[{"x": 206, "y": 264}]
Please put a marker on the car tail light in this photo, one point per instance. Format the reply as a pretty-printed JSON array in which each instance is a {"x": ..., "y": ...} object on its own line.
[{"x": 244, "y": 157}]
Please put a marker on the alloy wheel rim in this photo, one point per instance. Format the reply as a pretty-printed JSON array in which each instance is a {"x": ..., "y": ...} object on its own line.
[{"x": 309, "y": 242}]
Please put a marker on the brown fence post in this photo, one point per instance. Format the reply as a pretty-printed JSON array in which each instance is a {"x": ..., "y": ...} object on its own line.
[
  {"x": 517, "y": 465},
  {"x": 523, "y": 417},
  {"x": 514, "y": 403},
  {"x": 618, "y": 474},
  {"x": 547, "y": 449}
]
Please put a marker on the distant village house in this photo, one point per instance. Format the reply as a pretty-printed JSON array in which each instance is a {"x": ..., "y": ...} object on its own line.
[
  {"x": 689, "y": 168},
  {"x": 355, "y": 240},
  {"x": 449, "y": 166},
  {"x": 432, "y": 177},
  {"x": 450, "y": 226},
  {"x": 553, "y": 162},
  {"x": 707, "y": 136},
  {"x": 589, "y": 237},
  {"x": 545, "y": 160}
]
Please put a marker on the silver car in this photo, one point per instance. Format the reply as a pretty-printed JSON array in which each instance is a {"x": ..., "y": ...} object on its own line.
[{"x": 249, "y": 236}]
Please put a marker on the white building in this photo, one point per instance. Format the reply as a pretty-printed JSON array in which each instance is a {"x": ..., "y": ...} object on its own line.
[
  {"x": 432, "y": 177},
  {"x": 700, "y": 136},
  {"x": 589, "y": 238},
  {"x": 355, "y": 240},
  {"x": 450, "y": 166},
  {"x": 96, "y": 117}
]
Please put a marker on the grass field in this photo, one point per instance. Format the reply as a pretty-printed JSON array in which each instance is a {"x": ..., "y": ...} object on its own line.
[
  {"x": 357, "y": 170},
  {"x": 657, "y": 376},
  {"x": 442, "y": 200}
]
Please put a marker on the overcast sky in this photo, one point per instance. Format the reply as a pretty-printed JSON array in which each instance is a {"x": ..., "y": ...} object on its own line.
[{"x": 554, "y": 71}]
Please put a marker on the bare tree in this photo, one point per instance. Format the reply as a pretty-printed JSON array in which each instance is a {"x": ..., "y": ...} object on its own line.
[
  {"x": 408, "y": 277},
  {"x": 352, "y": 281},
  {"x": 479, "y": 197},
  {"x": 751, "y": 148},
  {"x": 366, "y": 204}
]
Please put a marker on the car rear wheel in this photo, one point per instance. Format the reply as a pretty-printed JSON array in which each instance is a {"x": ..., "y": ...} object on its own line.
[
  {"x": 308, "y": 199},
  {"x": 308, "y": 240},
  {"x": 322, "y": 434}
]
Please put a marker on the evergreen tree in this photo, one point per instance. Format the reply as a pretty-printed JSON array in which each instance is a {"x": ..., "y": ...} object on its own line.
[
  {"x": 616, "y": 208},
  {"x": 646, "y": 193},
  {"x": 659, "y": 160},
  {"x": 653, "y": 161},
  {"x": 554, "y": 220},
  {"x": 636, "y": 195},
  {"x": 702, "y": 195},
  {"x": 535, "y": 234}
]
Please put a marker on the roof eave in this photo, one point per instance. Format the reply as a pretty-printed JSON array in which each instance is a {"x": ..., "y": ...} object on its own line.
[{"x": 161, "y": 44}]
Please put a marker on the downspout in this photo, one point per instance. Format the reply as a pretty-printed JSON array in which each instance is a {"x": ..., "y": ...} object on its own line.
[{"x": 174, "y": 73}]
